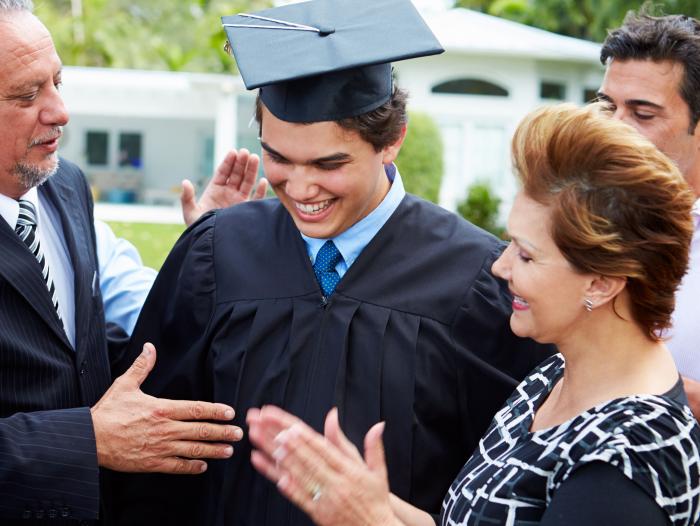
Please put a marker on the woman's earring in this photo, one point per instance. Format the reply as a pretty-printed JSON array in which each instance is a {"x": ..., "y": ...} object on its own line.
[{"x": 588, "y": 304}]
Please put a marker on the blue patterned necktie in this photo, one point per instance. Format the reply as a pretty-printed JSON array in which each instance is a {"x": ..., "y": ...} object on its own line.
[
  {"x": 26, "y": 230},
  {"x": 324, "y": 267}
]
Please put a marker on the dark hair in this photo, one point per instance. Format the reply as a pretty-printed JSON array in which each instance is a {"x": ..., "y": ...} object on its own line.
[
  {"x": 619, "y": 207},
  {"x": 380, "y": 127},
  {"x": 673, "y": 37}
]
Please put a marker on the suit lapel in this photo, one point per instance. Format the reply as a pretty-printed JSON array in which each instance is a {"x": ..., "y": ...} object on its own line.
[
  {"x": 73, "y": 221},
  {"x": 21, "y": 269}
]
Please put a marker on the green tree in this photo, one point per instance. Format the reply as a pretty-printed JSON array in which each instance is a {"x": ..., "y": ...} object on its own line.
[
  {"x": 481, "y": 208},
  {"x": 421, "y": 160},
  {"x": 589, "y": 19},
  {"x": 143, "y": 34}
]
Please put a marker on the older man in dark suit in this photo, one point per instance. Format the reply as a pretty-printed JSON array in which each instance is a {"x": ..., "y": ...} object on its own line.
[{"x": 59, "y": 417}]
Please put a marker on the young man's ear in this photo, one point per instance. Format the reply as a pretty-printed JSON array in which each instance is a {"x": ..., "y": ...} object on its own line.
[{"x": 391, "y": 152}]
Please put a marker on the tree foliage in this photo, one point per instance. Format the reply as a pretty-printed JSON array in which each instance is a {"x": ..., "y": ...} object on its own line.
[
  {"x": 143, "y": 34},
  {"x": 589, "y": 19},
  {"x": 480, "y": 207},
  {"x": 187, "y": 35},
  {"x": 421, "y": 160}
]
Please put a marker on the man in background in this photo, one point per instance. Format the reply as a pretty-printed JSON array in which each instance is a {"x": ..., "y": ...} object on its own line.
[{"x": 652, "y": 82}]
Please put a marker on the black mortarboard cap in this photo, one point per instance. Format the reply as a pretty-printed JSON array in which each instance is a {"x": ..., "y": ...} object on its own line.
[{"x": 326, "y": 60}]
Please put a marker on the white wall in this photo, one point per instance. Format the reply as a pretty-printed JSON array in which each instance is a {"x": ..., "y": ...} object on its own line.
[
  {"x": 477, "y": 129},
  {"x": 173, "y": 149},
  {"x": 178, "y": 113}
]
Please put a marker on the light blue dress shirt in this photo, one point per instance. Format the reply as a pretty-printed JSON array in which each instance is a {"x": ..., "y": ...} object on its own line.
[
  {"x": 354, "y": 240},
  {"x": 124, "y": 281}
]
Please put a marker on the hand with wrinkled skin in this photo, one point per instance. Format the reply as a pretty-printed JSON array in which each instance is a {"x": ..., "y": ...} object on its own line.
[
  {"x": 135, "y": 432},
  {"x": 354, "y": 491},
  {"x": 232, "y": 183}
]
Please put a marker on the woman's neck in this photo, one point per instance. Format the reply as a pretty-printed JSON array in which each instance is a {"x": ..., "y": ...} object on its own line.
[{"x": 612, "y": 358}]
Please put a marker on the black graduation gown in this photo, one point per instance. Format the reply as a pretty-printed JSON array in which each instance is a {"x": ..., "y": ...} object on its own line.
[{"x": 416, "y": 334}]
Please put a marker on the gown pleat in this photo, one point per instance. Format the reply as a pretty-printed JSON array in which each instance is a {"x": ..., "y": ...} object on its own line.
[{"x": 385, "y": 346}]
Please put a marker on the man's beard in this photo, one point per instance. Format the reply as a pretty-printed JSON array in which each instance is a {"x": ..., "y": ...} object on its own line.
[{"x": 30, "y": 175}]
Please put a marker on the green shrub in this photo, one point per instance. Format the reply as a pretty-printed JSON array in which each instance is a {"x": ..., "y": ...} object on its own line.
[
  {"x": 420, "y": 161},
  {"x": 481, "y": 208}
]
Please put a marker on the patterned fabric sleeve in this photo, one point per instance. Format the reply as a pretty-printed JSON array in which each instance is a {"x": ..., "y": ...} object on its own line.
[{"x": 653, "y": 441}]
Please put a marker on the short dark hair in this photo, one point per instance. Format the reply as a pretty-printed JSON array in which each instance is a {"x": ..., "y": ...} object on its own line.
[
  {"x": 672, "y": 37},
  {"x": 380, "y": 127},
  {"x": 619, "y": 207}
]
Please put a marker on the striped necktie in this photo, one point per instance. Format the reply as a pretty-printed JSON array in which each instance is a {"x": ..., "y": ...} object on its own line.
[{"x": 26, "y": 230}]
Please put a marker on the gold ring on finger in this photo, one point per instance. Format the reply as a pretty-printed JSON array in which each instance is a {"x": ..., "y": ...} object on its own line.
[{"x": 315, "y": 492}]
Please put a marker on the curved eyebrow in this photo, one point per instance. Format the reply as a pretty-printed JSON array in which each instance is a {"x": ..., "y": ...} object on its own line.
[
  {"x": 339, "y": 157},
  {"x": 28, "y": 85},
  {"x": 524, "y": 243},
  {"x": 631, "y": 102}
]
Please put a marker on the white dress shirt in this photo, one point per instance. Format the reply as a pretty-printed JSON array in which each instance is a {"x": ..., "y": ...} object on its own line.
[
  {"x": 53, "y": 245},
  {"x": 684, "y": 337}
]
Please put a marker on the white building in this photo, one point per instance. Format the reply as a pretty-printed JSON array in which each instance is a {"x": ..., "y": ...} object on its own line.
[
  {"x": 492, "y": 73},
  {"x": 138, "y": 134}
]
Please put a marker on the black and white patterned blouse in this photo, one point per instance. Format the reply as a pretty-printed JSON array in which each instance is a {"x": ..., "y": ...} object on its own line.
[{"x": 514, "y": 474}]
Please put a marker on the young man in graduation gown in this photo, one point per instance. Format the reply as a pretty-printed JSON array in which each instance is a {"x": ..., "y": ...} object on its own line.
[{"x": 344, "y": 291}]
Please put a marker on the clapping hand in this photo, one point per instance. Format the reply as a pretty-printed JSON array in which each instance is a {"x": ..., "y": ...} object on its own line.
[{"x": 324, "y": 475}]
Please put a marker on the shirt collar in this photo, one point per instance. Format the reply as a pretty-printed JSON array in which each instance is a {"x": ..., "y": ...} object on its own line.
[
  {"x": 695, "y": 211},
  {"x": 353, "y": 241},
  {"x": 9, "y": 208}
]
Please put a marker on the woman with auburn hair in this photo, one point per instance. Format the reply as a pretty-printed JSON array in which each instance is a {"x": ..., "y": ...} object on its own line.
[{"x": 600, "y": 433}]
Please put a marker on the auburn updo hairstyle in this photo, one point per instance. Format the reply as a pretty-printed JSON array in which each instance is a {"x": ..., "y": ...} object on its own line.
[{"x": 619, "y": 207}]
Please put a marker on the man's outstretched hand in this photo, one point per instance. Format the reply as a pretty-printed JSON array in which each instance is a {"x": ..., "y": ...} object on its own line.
[
  {"x": 135, "y": 432},
  {"x": 233, "y": 183}
]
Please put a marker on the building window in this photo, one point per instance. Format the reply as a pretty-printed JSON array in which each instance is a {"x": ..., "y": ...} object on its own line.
[
  {"x": 130, "y": 150},
  {"x": 552, "y": 91},
  {"x": 470, "y": 87},
  {"x": 590, "y": 95},
  {"x": 97, "y": 148}
]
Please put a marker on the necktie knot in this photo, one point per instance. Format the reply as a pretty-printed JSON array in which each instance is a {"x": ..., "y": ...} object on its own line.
[
  {"x": 328, "y": 257},
  {"x": 27, "y": 215},
  {"x": 26, "y": 230},
  {"x": 324, "y": 267}
]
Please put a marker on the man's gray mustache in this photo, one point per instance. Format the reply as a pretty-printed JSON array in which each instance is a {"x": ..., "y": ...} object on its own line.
[{"x": 54, "y": 134}]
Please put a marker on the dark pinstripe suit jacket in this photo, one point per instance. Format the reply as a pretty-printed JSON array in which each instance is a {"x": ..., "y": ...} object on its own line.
[{"x": 48, "y": 464}]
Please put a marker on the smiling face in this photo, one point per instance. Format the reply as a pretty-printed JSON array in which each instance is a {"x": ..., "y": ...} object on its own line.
[
  {"x": 646, "y": 95},
  {"x": 31, "y": 109},
  {"x": 328, "y": 178},
  {"x": 548, "y": 293}
]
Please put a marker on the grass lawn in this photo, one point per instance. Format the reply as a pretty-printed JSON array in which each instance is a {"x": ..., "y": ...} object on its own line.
[{"x": 153, "y": 241}]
